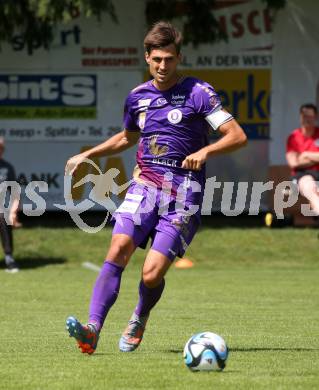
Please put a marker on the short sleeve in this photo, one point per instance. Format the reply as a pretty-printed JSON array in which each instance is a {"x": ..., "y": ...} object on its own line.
[
  {"x": 206, "y": 99},
  {"x": 292, "y": 145},
  {"x": 129, "y": 121}
]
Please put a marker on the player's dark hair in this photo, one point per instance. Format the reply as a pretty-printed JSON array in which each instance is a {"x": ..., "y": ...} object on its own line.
[
  {"x": 308, "y": 106},
  {"x": 162, "y": 34}
]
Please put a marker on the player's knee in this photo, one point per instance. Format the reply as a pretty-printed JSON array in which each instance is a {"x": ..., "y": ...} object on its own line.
[
  {"x": 121, "y": 249},
  {"x": 152, "y": 278}
]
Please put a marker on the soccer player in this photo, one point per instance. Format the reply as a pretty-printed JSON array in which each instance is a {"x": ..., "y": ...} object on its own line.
[
  {"x": 170, "y": 117},
  {"x": 7, "y": 173},
  {"x": 303, "y": 155}
]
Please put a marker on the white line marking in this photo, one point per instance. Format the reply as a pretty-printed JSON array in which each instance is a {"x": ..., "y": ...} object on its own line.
[{"x": 91, "y": 266}]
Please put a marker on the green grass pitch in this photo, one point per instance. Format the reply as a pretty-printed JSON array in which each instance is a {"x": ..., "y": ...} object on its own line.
[{"x": 257, "y": 288}]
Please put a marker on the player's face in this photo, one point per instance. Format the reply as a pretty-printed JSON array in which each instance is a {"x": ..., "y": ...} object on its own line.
[
  {"x": 163, "y": 66},
  {"x": 308, "y": 117}
]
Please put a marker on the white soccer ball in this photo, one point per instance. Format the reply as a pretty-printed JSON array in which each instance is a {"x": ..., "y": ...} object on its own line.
[{"x": 205, "y": 352}]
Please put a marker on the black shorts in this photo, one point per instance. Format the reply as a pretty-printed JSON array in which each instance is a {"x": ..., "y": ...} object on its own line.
[{"x": 300, "y": 174}]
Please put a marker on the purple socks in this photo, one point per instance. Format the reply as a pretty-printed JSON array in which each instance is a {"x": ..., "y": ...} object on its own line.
[
  {"x": 148, "y": 298},
  {"x": 105, "y": 292}
]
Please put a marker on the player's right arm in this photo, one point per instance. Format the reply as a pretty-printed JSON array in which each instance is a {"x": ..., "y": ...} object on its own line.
[{"x": 116, "y": 144}]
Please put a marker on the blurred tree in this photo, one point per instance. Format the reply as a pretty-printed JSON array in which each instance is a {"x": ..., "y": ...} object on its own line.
[{"x": 35, "y": 20}]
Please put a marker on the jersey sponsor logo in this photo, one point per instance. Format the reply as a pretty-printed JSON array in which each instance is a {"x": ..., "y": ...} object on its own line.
[
  {"x": 165, "y": 161},
  {"x": 161, "y": 101},
  {"x": 155, "y": 149},
  {"x": 177, "y": 100},
  {"x": 175, "y": 116},
  {"x": 144, "y": 102}
]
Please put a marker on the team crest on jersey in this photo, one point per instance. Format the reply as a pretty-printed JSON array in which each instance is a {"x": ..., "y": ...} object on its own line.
[
  {"x": 317, "y": 142},
  {"x": 141, "y": 119},
  {"x": 175, "y": 116}
]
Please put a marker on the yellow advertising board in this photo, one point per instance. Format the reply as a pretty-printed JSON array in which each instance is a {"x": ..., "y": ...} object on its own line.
[{"x": 245, "y": 93}]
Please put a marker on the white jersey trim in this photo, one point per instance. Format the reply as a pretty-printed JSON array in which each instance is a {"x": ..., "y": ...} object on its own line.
[{"x": 218, "y": 117}]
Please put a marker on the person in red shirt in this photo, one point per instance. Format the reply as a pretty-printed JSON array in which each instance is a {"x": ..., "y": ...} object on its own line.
[{"x": 302, "y": 155}]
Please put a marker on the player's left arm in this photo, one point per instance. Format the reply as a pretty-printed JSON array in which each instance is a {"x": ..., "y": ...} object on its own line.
[{"x": 233, "y": 138}]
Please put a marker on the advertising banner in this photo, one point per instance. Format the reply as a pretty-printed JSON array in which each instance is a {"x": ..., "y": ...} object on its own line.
[{"x": 66, "y": 107}]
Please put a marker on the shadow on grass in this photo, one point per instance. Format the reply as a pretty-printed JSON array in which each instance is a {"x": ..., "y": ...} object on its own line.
[
  {"x": 262, "y": 349},
  {"x": 257, "y": 349},
  {"x": 36, "y": 262}
]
